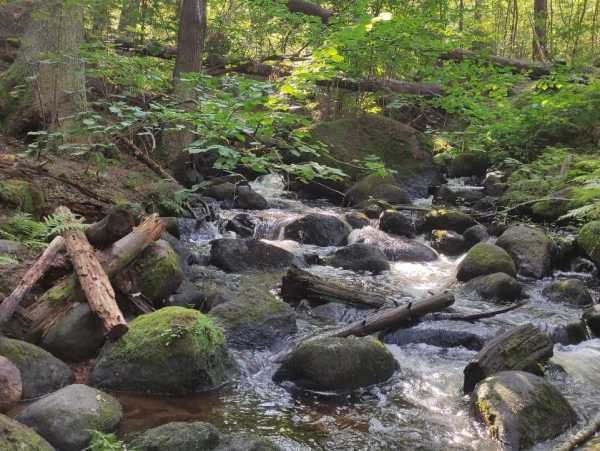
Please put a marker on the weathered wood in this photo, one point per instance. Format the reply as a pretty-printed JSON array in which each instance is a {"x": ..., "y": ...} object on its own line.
[
  {"x": 476, "y": 316},
  {"x": 59, "y": 299},
  {"x": 93, "y": 281},
  {"x": 114, "y": 226},
  {"x": 31, "y": 277},
  {"x": 393, "y": 318},
  {"x": 521, "y": 348},
  {"x": 534, "y": 69},
  {"x": 298, "y": 284},
  {"x": 382, "y": 84}
]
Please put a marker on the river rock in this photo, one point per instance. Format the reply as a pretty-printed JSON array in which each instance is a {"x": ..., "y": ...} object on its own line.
[
  {"x": 237, "y": 196},
  {"x": 484, "y": 259},
  {"x": 22, "y": 195},
  {"x": 448, "y": 242},
  {"x": 376, "y": 187},
  {"x": 494, "y": 183},
  {"x": 452, "y": 194},
  {"x": 520, "y": 409},
  {"x": 11, "y": 385},
  {"x": 469, "y": 164},
  {"x": 242, "y": 224},
  {"x": 397, "y": 223},
  {"x": 356, "y": 219},
  {"x": 255, "y": 319},
  {"x": 240, "y": 255},
  {"x": 332, "y": 363},
  {"x": 571, "y": 291},
  {"x": 475, "y": 234},
  {"x": 173, "y": 350},
  {"x": 156, "y": 273},
  {"x": 498, "y": 287},
  {"x": 188, "y": 295},
  {"x": 435, "y": 336},
  {"x": 530, "y": 249},
  {"x": 318, "y": 229},
  {"x": 15, "y": 436},
  {"x": 395, "y": 248},
  {"x": 66, "y": 418},
  {"x": 178, "y": 436},
  {"x": 372, "y": 210},
  {"x": 588, "y": 240},
  {"x": 247, "y": 442},
  {"x": 41, "y": 372},
  {"x": 76, "y": 336},
  {"x": 359, "y": 257},
  {"x": 454, "y": 220}
]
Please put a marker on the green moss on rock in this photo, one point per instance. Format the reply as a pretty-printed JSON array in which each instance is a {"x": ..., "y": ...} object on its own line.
[
  {"x": 16, "y": 436},
  {"x": 483, "y": 259},
  {"x": 443, "y": 219},
  {"x": 589, "y": 240},
  {"x": 22, "y": 195},
  {"x": 173, "y": 350},
  {"x": 178, "y": 436}
]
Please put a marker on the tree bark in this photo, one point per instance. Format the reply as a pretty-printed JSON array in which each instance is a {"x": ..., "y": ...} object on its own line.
[
  {"x": 189, "y": 38},
  {"x": 94, "y": 281},
  {"x": 59, "y": 299},
  {"x": 393, "y": 318},
  {"x": 298, "y": 284},
  {"x": 540, "y": 21},
  {"x": 310, "y": 9},
  {"x": 129, "y": 18},
  {"x": 31, "y": 277},
  {"x": 521, "y": 348}
]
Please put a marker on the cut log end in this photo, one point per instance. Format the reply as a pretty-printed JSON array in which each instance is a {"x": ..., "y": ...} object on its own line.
[{"x": 117, "y": 332}]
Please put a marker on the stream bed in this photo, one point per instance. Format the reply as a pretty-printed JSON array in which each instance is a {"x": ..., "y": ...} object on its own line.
[{"x": 420, "y": 408}]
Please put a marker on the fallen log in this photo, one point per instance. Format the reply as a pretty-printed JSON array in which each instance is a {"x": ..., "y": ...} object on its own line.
[
  {"x": 59, "y": 299},
  {"x": 31, "y": 277},
  {"x": 476, "y": 316},
  {"x": 114, "y": 226},
  {"x": 298, "y": 284},
  {"x": 310, "y": 9},
  {"x": 522, "y": 348},
  {"x": 94, "y": 281},
  {"x": 393, "y": 318},
  {"x": 534, "y": 69},
  {"x": 141, "y": 156},
  {"x": 397, "y": 86}
]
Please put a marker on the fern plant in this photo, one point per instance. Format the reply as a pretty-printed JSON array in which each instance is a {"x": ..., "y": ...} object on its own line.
[
  {"x": 59, "y": 223},
  {"x": 107, "y": 442}
]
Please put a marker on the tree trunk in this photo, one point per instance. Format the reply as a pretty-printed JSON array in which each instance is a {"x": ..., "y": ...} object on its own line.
[
  {"x": 129, "y": 18},
  {"x": 59, "y": 299},
  {"x": 50, "y": 68},
  {"x": 521, "y": 348},
  {"x": 393, "y": 318},
  {"x": 298, "y": 284},
  {"x": 540, "y": 23},
  {"x": 94, "y": 281}
]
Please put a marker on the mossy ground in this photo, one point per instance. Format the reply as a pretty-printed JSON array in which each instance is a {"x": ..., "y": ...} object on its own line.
[{"x": 22, "y": 195}]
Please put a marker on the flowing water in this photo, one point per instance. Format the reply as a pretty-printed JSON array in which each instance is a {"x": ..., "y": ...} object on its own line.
[{"x": 420, "y": 408}]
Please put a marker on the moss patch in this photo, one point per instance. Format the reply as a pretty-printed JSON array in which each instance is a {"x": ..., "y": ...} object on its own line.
[
  {"x": 22, "y": 195},
  {"x": 589, "y": 240},
  {"x": 16, "y": 436},
  {"x": 157, "y": 272}
]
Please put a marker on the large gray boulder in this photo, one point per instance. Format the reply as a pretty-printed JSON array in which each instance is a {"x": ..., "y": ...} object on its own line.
[
  {"x": 395, "y": 248},
  {"x": 397, "y": 223},
  {"x": 41, "y": 372},
  {"x": 15, "y": 436},
  {"x": 520, "y": 409},
  {"x": 377, "y": 188},
  {"x": 66, "y": 418},
  {"x": 530, "y": 249},
  {"x": 238, "y": 255},
  {"x": 173, "y": 350},
  {"x": 255, "y": 319},
  {"x": 332, "y": 363},
  {"x": 237, "y": 196},
  {"x": 318, "y": 229},
  {"x": 483, "y": 259},
  {"x": 178, "y": 436},
  {"x": 359, "y": 257},
  {"x": 498, "y": 288}
]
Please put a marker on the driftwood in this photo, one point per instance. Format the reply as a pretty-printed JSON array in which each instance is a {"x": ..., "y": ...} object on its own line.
[
  {"x": 94, "y": 281},
  {"x": 380, "y": 84},
  {"x": 31, "y": 277},
  {"x": 298, "y": 284},
  {"x": 477, "y": 316},
  {"x": 393, "y": 318},
  {"x": 534, "y": 69},
  {"x": 521, "y": 348},
  {"x": 59, "y": 299}
]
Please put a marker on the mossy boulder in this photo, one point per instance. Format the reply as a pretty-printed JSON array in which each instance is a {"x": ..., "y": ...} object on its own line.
[
  {"x": 448, "y": 242},
  {"x": 498, "y": 288},
  {"x": 469, "y": 164},
  {"x": 588, "y": 240},
  {"x": 11, "y": 385},
  {"x": 67, "y": 417},
  {"x": 530, "y": 249},
  {"x": 173, "y": 350},
  {"x": 333, "y": 363},
  {"x": 359, "y": 257},
  {"x": 178, "y": 436},
  {"x": 41, "y": 372},
  {"x": 255, "y": 319},
  {"x": 475, "y": 234},
  {"x": 570, "y": 291},
  {"x": 520, "y": 409},
  {"x": 442, "y": 219},
  {"x": 318, "y": 229},
  {"x": 16, "y": 436},
  {"x": 22, "y": 195},
  {"x": 483, "y": 259},
  {"x": 156, "y": 273},
  {"x": 377, "y": 188}
]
